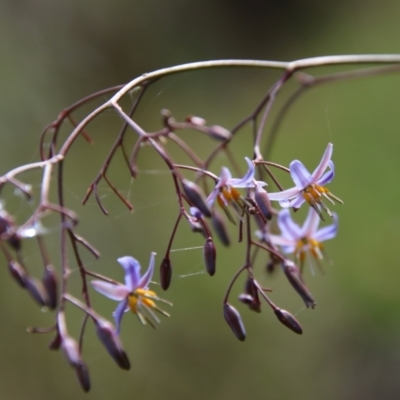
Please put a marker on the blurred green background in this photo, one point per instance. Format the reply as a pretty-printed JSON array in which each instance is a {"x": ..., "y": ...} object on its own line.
[{"x": 55, "y": 52}]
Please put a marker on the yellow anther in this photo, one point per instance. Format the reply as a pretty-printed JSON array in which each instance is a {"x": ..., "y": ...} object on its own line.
[
  {"x": 221, "y": 201},
  {"x": 227, "y": 195},
  {"x": 132, "y": 301},
  {"x": 235, "y": 194},
  {"x": 141, "y": 296},
  {"x": 313, "y": 194},
  {"x": 306, "y": 244},
  {"x": 321, "y": 189},
  {"x": 148, "y": 303},
  {"x": 145, "y": 292}
]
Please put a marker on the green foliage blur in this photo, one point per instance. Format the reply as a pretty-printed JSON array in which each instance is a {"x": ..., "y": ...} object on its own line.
[{"x": 55, "y": 52}]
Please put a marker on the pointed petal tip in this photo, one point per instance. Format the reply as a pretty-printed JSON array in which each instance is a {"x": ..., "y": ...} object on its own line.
[{"x": 126, "y": 261}]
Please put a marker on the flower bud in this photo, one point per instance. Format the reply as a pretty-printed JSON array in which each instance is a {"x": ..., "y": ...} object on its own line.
[
  {"x": 56, "y": 342},
  {"x": 220, "y": 228},
  {"x": 166, "y": 116},
  {"x": 232, "y": 317},
  {"x": 15, "y": 241},
  {"x": 263, "y": 203},
  {"x": 5, "y": 223},
  {"x": 71, "y": 350},
  {"x": 7, "y": 227},
  {"x": 17, "y": 272},
  {"x": 196, "y": 196},
  {"x": 294, "y": 277},
  {"x": 288, "y": 320},
  {"x": 165, "y": 273},
  {"x": 197, "y": 227},
  {"x": 108, "y": 336},
  {"x": 195, "y": 120},
  {"x": 260, "y": 221},
  {"x": 219, "y": 133},
  {"x": 246, "y": 299},
  {"x": 251, "y": 289},
  {"x": 270, "y": 267},
  {"x": 49, "y": 281},
  {"x": 210, "y": 255},
  {"x": 36, "y": 290},
  {"x": 82, "y": 373}
]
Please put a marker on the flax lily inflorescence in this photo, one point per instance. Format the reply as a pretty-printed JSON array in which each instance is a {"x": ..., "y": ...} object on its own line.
[{"x": 245, "y": 195}]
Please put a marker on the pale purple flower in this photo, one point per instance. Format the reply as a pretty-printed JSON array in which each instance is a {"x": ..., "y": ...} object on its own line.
[
  {"x": 134, "y": 295},
  {"x": 309, "y": 187},
  {"x": 226, "y": 183},
  {"x": 304, "y": 239},
  {"x": 225, "y": 191}
]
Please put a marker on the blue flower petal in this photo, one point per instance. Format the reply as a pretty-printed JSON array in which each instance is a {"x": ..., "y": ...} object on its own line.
[
  {"x": 311, "y": 224},
  {"x": 287, "y": 226},
  {"x": 300, "y": 175},
  {"x": 327, "y": 232},
  {"x": 324, "y": 163},
  {"x": 119, "y": 312},
  {"x": 328, "y": 176},
  {"x": 146, "y": 278},
  {"x": 132, "y": 272}
]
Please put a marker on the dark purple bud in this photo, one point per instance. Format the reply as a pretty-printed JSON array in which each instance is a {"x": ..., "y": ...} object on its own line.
[
  {"x": 232, "y": 317},
  {"x": 251, "y": 289},
  {"x": 49, "y": 281},
  {"x": 7, "y": 227},
  {"x": 294, "y": 277},
  {"x": 56, "y": 342},
  {"x": 210, "y": 255},
  {"x": 5, "y": 223},
  {"x": 246, "y": 299},
  {"x": 36, "y": 290},
  {"x": 165, "y": 273},
  {"x": 18, "y": 272},
  {"x": 270, "y": 267},
  {"x": 219, "y": 133},
  {"x": 288, "y": 320},
  {"x": 108, "y": 336},
  {"x": 82, "y": 373},
  {"x": 260, "y": 223},
  {"x": 71, "y": 350},
  {"x": 263, "y": 203},
  {"x": 196, "y": 196},
  {"x": 220, "y": 228},
  {"x": 15, "y": 241}
]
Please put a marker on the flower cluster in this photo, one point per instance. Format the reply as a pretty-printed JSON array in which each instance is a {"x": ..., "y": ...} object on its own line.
[{"x": 303, "y": 241}]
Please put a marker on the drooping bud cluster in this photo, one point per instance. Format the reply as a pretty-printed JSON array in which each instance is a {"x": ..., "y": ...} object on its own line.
[{"x": 44, "y": 291}]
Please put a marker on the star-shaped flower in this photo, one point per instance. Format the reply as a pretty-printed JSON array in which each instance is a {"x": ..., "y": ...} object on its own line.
[
  {"x": 305, "y": 239},
  {"x": 309, "y": 187},
  {"x": 134, "y": 295},
  {"x": 225, "y": 191}
]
